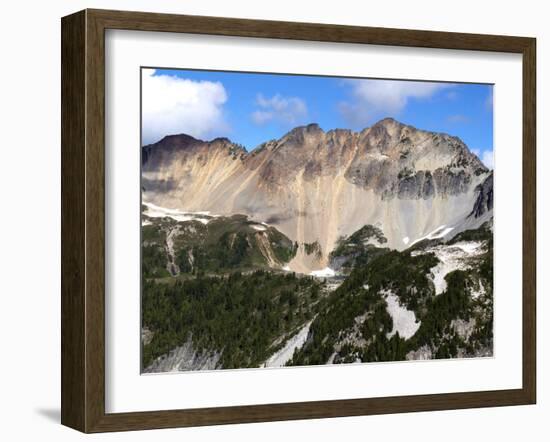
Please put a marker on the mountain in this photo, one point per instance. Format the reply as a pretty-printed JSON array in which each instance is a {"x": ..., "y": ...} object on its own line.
[{"x": 315, "y": 187}]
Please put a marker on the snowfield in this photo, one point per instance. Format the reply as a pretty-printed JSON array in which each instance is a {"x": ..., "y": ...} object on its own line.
[
  {"x": 440, "y": 232},
  {"x": 327, "y": 272},
  {"x": 154, "y": 211},
  {"x": 452, "y": 257},
  {"x": 280, "y": 358},
  {"x": 404, "y": 321}
]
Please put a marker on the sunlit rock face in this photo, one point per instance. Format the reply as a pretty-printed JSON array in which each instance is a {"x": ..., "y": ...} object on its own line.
[{"x": 316, "y": 186}]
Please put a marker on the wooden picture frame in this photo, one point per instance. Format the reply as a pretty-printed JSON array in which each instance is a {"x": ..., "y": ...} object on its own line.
[{"x": 83, "y": 220}]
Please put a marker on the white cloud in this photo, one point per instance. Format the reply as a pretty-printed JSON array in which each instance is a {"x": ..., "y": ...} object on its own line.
[
  {"x": 381, "y": 98},
  {"x": 173, "y": 105},
  {"x": 488, "y": 158},
  {"x": 283, "y": 110}
]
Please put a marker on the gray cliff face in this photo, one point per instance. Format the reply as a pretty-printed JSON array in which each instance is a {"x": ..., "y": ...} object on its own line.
[
  {"x": 484, "y": 200},
  {"x": 400, "y": 161}
]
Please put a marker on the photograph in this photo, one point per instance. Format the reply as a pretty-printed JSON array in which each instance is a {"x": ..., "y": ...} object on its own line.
[{"x": 296, "y": 220}]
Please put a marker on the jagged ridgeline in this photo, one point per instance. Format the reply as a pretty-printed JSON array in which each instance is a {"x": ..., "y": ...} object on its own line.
[{"x": 317, "y": 248}]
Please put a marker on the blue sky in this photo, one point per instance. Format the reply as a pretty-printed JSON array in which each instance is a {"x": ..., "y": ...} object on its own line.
[{"x": 251, "y": 108}]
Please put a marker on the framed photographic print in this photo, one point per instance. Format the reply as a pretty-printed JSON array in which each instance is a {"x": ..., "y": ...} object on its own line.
[{"x": 267, "y": 221}]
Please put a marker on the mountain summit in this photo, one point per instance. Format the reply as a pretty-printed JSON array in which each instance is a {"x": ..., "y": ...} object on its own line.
[{"x": 316, "y": 186}]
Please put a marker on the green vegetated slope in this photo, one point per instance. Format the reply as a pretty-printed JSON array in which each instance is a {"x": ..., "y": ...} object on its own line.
[
  {"x": 240, "y": 315},
  {"x": 354, "y": 324},
  {"x": 219, "y": 285},
  {"x": 223, "y": 244},
  {"x": 358, "y": 249}
]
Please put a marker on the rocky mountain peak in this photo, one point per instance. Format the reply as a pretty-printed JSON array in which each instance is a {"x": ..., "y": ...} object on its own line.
[
  {"x": 389, "y": 157},
  {"x": 177, "y": 141},
  {"x": 301, "y": 134},
  {"x": 172, "y": 146},
  {"x": 168, "y": 147},
  {"x": 310, "y": 128},
  {"x": 315, "y": 186},
  {"x": 390, "y": 124}
]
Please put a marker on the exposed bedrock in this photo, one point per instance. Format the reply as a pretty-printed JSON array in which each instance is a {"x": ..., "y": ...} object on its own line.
[{"x": 317, "y": 186}]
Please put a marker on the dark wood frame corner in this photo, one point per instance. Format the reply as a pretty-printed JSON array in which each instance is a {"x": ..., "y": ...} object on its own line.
[{"x": 83, "y": 216}]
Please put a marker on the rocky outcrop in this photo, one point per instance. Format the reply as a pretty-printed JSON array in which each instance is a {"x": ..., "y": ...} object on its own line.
[
  {"x": 401, "y": 161},
  {"x": 185, "y": 358},
  {"x": 484, "y": 200},
  {"x": 316, "y": 186},
  {"x": 360, "y": 247}
]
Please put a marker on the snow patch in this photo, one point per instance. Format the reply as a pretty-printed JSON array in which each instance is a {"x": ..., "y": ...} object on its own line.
[
  {"x": 452, "y": 257},
  {"x": 146, "y": 222},
  {"x": 327, "y": 272},
  {"x": 404, "y": 321},
  {"x": 406, "y": 240},
  {"x": 422, "y": 354},
  {"x": 154, "y": 211},
  {"x": 286, "y": 268},
  {"x": 477, "y": 293},
  {"x": 440, "y": 232},
  {"x": 259, "y": 227},
  {"x": 470, "y": 248},
  {"x": 281, "y": 357}
]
